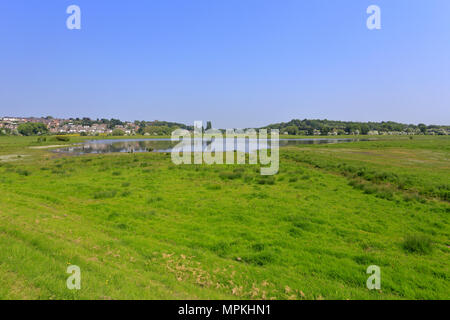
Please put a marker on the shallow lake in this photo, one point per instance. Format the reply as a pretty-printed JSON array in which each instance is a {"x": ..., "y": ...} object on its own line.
[{"x": 166, "y": 145}]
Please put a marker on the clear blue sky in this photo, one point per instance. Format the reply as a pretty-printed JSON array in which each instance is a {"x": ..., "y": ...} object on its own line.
[{"x": 239, "y": 63}]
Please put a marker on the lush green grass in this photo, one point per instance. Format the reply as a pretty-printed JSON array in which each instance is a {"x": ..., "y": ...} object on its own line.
[
  {"x": 418, "y": 166},
  {"x": 140, "y": 227}
]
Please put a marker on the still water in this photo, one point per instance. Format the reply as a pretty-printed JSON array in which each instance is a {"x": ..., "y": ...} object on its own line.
[{"x": 166, "y": 145}]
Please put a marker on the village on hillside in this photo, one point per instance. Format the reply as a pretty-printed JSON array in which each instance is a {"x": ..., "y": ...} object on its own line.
[
  {"x": 66, "y": 126},
  {"x": 84, "y": 126}
]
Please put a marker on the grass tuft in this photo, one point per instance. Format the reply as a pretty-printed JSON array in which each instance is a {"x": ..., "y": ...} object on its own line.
[{"x": 417, "y": 244}]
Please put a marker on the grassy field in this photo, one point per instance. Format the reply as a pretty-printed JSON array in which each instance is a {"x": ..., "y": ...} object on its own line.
[{"x": 140, "y": 227}]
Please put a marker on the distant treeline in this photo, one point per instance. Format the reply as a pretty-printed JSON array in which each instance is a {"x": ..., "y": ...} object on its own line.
[
  {"x": 112, "y": 123},
  {"x": 293, "y": 127},
  {"x": 160, "y": 127},
  {"x": 325, "y": 127}
]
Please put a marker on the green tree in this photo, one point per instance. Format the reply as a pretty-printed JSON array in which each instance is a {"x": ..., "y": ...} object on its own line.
[
  {"x": 32, "y": 128},
  {"x": 364, "y": 129},
  {"x": 324, "y": 130},
  {"x": 292, "y": 130},
  {"x": 118, "y": 132},
  {"x": 114, "y": 122},
  {"x": 422, "y": 128}
]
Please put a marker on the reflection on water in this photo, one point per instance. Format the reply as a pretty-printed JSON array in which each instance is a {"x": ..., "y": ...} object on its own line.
[{"x": 165, "y": 145}]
